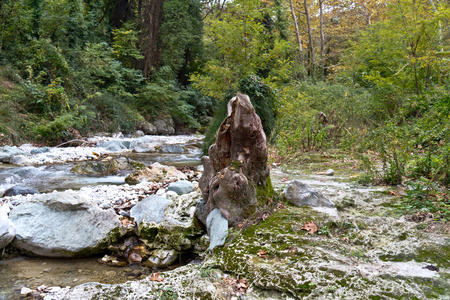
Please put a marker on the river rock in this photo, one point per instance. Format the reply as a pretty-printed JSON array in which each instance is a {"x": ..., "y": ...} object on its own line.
[
  {"x": 7, "y": 229},
  {"x": 217, "y": 229},
  {"x": 63, "y": 224},
  {"x": 7, "y": 152},
  {"x": 40, "y": 150},
  {"x": 106, "y": 167},
  {"x": 161, "y": 258},
  {"x": 147, "y": 128},
  {"x": 178, "y": 229},
  {"x": 150, "y": 209},
  {"x": 168, "y": 148},
  {"x": 301, "y": 194},
  {"x": 18, "y": 190},
  {"x": 329, "y": 172},
  {"x": 145, "y": 144},
  {"x": 164, "y": 126},
  {"x": 181, "y": 187},
  {"x": 115, "y": 145},
  {"x": 236, "y": 176},
  {"x": 139, "y": 133},
  {"x": 20, "y": 160},
  {"x": 156, "y": 173}
]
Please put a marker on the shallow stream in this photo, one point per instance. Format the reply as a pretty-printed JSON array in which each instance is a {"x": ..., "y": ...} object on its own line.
[{"x": 18, "y": 271}]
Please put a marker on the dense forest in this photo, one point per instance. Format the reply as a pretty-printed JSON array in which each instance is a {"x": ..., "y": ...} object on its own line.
[{"x": 367, "y": 78}]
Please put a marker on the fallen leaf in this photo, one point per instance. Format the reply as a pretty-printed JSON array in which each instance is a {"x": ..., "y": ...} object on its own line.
[
  {"x": 310, "y": 227},
  {"x": 284, "y": 179},
  {"x": 155, "y": 277},
  {"x": 265, "y": 216},
  {"x": 392, "y": 193},
  {"x": 263, "y": 254},
  {"x": 321, "y": 173},
  {"x": 345, "y": 239}
]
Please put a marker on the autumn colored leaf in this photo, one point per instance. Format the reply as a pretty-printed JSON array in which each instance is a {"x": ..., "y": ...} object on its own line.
[
  {"x": 263, "y": 254},
  {"x": 155, "y": 277},
  {"x": 310, "y": 227},
  {"x": 392, "y": 193},
  {"x": 284, "y": 179}
]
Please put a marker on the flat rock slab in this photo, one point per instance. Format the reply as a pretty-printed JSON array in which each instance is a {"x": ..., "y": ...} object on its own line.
[
  {"x": 217, "y": 228},
  {"x": 63, "y": 224}
]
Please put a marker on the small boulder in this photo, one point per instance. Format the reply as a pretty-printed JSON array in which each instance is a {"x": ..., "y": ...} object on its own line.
[
  {"x": 161, "y": 258},
  {"x": 139, "y": 133},
  {"x": 7, "y": 229},
  {"x": 217, "y": 227},
  {"x": 7, "y": 152},
  {"x": 150, "y": 209},
  {"x": 156, "y": 173},
  {"x": 301, "y": 194},
  {"x": 107, "y": 166},
  {"x": 181, "y": 187},
  {"x": 329, "y": 172},
  {"x": 147, "y": 128},
  {"x": 63, "y": 224},
  {"x": 145, "y": 144},
  {"x": 114, "y": 146},
  {"x": 168, "y": 148},
  {"x": 40, "y": 150},
  {"x": 20, "y": 160},
  {"x": 18, "y": 190},
  {"x": 164, "y": 126}
]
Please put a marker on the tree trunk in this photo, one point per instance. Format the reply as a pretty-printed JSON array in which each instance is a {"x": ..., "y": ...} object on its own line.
[
  {"x": 322, "y": 40},
  {"x": 311, "y": 46},
  {"x": 297, "y": 34},
  {"x": 152, "y": 26}
]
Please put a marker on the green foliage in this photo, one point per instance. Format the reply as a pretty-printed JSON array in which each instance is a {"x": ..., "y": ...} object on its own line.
[
  {"x": 238, "y": 44},
  {"x": 125, "y": 45},
  {"x": 262, "y": 97}
]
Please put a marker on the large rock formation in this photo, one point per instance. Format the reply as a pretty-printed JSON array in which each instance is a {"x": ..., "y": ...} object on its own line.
[
  {"x": 63, "y": 224},
  {"x": 236, "y": 176}
]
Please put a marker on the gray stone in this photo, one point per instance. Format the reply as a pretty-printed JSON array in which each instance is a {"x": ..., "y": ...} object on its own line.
[
  {"x": 18, "y": 190},
  {"x": 145, "y": 144},
  {"x": 139, "y": 133},
  {"x": 20, "y": 160},
  {"x": 7, "y": 229},
  {"x": 40, "y": 150},
  {"x": 114, "y": 146},
  {"x": 164, "y": 126},
  {"x": 161, "y": 258},
  {"x": 167, "y": 148},
  {"x": 181, "y": 187},
  {"x": 7, "y": 152},
  {"x": 63, "y": 224},
  {"x": 150, "y": 209},
  {"x": 301, "y": 194},
  {"x": 147, "y": 128},
  {"x": 217, "y": 227},
  {"x": 107, "y": 166},
  {"x": 155, "y": 172},
  {"x": 329, "y": 172}
]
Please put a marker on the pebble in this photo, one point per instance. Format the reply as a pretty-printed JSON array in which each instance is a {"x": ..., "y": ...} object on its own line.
[
  {"x": 329, "y": 172},
  {"x": 25, "y": 291}
]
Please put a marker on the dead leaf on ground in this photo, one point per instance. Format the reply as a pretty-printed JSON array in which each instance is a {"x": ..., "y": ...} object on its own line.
[
  {"x": 265, "y": 216},
  {"x": 392, "y": 193},
  {"x": 284, "y": 179},
  {"x": 263, "y": 254},
  {"x": 155, "y": 277},
  {"x": 310, "y": 227},
  {"x": 321, "y": 173},
  {"x": 345, "y": 239}
]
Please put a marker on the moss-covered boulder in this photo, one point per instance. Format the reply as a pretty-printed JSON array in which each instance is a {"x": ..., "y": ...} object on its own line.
[{"x": 107, "y": 166}]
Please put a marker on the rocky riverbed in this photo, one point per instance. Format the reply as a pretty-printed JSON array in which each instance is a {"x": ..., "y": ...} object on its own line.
[{"x": 359, "y": 248}]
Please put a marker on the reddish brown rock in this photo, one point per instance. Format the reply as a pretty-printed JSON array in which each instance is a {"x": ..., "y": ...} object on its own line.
[{"x": 236, "y": 176}]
